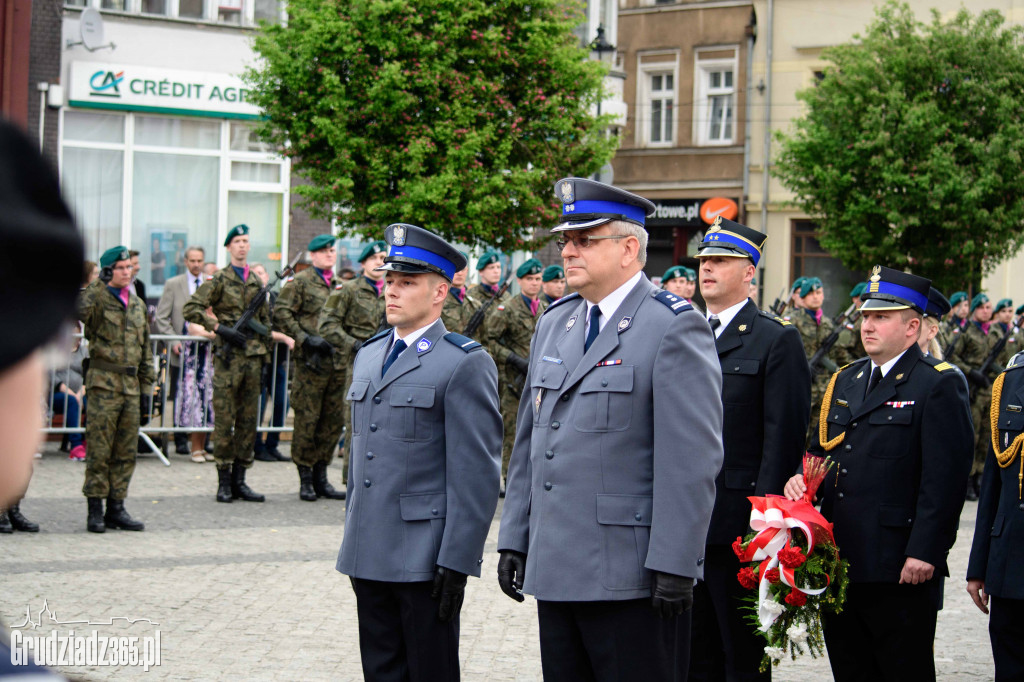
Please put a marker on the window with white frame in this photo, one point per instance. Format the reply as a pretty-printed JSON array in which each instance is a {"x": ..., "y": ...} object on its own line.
[
  {"x": 715, "y": 100},
  {"x": 237, "y": 12},
  {"x": 657, "y": 104}
]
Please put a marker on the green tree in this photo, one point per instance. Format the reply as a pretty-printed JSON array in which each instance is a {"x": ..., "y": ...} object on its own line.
[
  {"x": 910, "y": 150},
  {"x": 456, "y": 116}
]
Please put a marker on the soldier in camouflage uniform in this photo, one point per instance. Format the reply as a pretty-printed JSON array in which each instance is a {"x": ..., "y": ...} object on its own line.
[
  {"x": 951, "y": 327},
  {"x": 459, "y": 305},
  {"x": 849, "y": 346},
  {"x": 237, "y": 363},
  {"x": 793, "y": 303},
  {"x": 488, "y": 268},
  {"x": 552, "y": 284},
  {"x": 351, "y": 315},
  {"x": 976, "y": 342},
  {"x": 814, "y": 327},
  {"x": 320, "y": 403},
  {"x": 510, "y": 328},
  {"x": 1014, "y": 342},
  {"x": 119, "y": 381}
]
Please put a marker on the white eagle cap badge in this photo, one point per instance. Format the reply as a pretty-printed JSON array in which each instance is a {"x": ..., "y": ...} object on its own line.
[
  {"x": 398, "y": 236},
  {"x": 568, "y": 196}
]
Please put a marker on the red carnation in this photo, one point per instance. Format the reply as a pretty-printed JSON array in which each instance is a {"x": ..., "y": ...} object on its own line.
[
  {"x": 747, "y": 578},
  {"x": 791, "y": 557},
  {"x": 737, "y": 547},
  {"x": 772, "y": 575},
  {"x": 796, "y": 598}
]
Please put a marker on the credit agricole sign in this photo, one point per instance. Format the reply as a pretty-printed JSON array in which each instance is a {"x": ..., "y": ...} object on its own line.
[{"x": 95, "y": 85}]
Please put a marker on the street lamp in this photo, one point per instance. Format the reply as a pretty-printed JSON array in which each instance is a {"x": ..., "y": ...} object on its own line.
[{"x": 600, "y": 45}]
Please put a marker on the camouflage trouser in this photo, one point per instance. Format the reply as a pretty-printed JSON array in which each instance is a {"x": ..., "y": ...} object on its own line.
[
  {"x": 112, "y": 435},
  {"x": 236, "y": 398},
  {"x": 320, "y": 407},
  {"x": 982, "y": 428},
  {"x": 818, "y": 386},
  {"x": 510, "y": 394}
]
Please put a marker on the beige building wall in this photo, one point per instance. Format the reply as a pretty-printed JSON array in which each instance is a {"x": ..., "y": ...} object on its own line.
[{"x": 798, "y": 31}]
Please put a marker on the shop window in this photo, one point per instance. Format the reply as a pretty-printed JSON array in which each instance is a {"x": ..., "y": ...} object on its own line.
[
  {"x": 177, "y": 132},
  {"x": 236, "y": 12},
  {"x": 263, "y": 212}
]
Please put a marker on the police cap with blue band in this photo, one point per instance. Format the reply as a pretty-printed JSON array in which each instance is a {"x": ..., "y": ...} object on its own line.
[
  {"x": 415, "y": 250},
  {"x": 588, "y": 203},
  {"x": 890, "y": 289},
  {"x": 937, "y": 304},
  {"x": 730, "y": 239}
]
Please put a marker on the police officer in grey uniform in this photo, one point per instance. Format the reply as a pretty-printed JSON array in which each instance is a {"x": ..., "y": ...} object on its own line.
[
  {"x": 612, "y": 478},
  {"x": 425, "y": 466}
]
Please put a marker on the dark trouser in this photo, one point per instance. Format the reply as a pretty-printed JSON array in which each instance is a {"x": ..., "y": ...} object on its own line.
[
  {"x": 723, "y": 644},
  {"x": 277, "y": 385},
  {"x": 612, "y": 640},
  {"x": 63, "y": 402},
  {"x": 1006, "y": 630},
  {"x": 886, "y": 631},
  {"x": 180, "y": 437},
  {"x": 400, "y": 637}
]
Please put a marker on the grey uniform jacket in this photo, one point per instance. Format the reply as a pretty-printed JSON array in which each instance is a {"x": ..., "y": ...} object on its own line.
[
  {"x": 613, "y": 471},
  {"x": 426, "y": 458}
]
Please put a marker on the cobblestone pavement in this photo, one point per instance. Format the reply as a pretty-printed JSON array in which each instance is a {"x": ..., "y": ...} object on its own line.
[{"x": 249, "y": 590}]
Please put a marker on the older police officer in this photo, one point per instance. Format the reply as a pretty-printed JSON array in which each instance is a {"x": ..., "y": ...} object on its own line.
[
  {"x": 426, "y": 446},
  {"x": 612, "y": 477}
]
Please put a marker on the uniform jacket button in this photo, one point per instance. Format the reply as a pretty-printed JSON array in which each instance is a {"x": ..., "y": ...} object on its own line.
[
  {"x": 434, "y": 512},
  {"x": 638, "y": 516},
  {"x": 910, "y": 520},
  {"x": 853, "y": 425},
  {"x": 843, "y": 472},
  {"x": 700, "y": 561},
  {"x": 376, "y": 400},
  {"x": 555, "y": 424},
  {"x": 547, "y": 486},
  {"x": 565, "y": 397},
  {"x": 373, "y": 427},
  {"x": 549, "y": 454},
  {"x": 840, "y": 496},
  {"x": 1022, "y": 507},
  {"x": 367, "y": 483},
  {"x": 479, "y": 561},
  {"x": 369, "y": 455},
  {"x": 847, "y": 447},
  {"x": 604, "y": 382},
  {"x": 409, "y": 399}
]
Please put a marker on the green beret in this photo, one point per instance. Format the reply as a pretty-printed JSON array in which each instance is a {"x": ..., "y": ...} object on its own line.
[
  {"x": 530, "y": 267},
  {"x": 672, "y": 273},
  {"x": 553, "y": 272},
  {"x": 112, "y": 255},
  {"x": 489, "y": 257},
  {"x": 797, "y": 283},
  {"x": 858, "y": 289},
  {"x": 1019, "y": 310},
  {"x": 978, "y": 300},
  {"x": 236, "y": 231},
  {"x": 957, "y": 298},
  {"x": 809, "y": 284},
  {"x": 379, "y": 246},
  {"x": 689, "y": 274},
  {"x": 321, "y": 241},
  {"x": 1003, "y": 304},
  {"x": 753, "y": 280}
]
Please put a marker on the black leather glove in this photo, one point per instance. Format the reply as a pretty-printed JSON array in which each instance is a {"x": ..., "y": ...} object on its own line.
[
  {"x": 671, "y": 594},
  {"x": 235, "y": 338},
  {"x": 316, "y": 344},
  {"x": 518, "y": 363},
  {"x": 450, "y": 586},
  {"x": 511, "y": 569},
  {"x": 146, "y": 404},
  {"x": 978, "y": 378}
]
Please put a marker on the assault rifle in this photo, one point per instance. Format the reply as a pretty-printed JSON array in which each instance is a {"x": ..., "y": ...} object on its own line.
[
  {"x": 246, "y": 324},
  {"x": 998, "y": 348},
  {"x": 780, "y": 302},
  {"x": 947, "y": 353},
  {"x": 819, "y": 355},
  {"x": 478, "y": 317}
]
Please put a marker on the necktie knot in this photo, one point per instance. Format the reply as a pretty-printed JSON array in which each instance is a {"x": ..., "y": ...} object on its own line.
[
  {"x": 396, "y": 350},
  {"x": 714, "y": 322},
  {"x": 594, "y": 327},
  {"x": 876, "y": 377}
]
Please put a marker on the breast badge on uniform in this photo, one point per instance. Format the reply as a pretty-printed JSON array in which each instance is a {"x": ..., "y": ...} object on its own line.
[
  {"x": 571, "y": 322},
  {"x": 624, "y": 324}
]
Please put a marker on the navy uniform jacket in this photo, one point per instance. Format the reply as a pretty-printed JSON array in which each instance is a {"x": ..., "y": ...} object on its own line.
[
  {"x": 766, "y": 391},
  {"x": 997, "y": 555},
  {"x": 426, "y": 456},
  {"x": 901, "y": 469},
  {"x": 612, "y": 473}
]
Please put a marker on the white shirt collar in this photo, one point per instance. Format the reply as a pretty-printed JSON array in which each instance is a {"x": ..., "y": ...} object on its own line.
[
  {"x": 725, "y": 317},
  {"x": 192, "y": 282},
  {"x": 887, "y": 366},
  {"x": 610, "y": 303},
  {"x": 409, "y": 338}
]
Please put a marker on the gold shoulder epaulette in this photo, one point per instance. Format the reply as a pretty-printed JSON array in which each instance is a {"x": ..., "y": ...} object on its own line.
[
  {"x": 943, "y": 366},
  {"x": 776, "y": 318}
]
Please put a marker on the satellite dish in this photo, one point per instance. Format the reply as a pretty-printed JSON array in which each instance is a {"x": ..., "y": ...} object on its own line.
[{"x": 90, "y": 27}]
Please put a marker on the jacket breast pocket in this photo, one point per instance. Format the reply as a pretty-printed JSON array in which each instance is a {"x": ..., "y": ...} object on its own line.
[
  {"x": 112, "y": 327},
  {"x": 740, "y": 383},
  {"x": 410, "y": 416},
  {"x": 356, "y": 394},
  {"x": 1012, "y": 423},
  {"x": 894, "y": 441},
  {"x": 605, "y": 402},
  {"x": 625, "y": 522},
  {"x": 546, "y": 379}
]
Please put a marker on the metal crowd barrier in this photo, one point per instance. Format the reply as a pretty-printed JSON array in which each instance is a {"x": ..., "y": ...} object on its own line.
[{"x": 162, "y": 406}]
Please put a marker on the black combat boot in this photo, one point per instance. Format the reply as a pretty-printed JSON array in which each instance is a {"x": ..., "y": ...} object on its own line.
[
  {"x": 117, "y": 517},
  {"x": 95, "y": 522},
  {"x": 973, "y": 488},
  {"x": 18, "y": 520},
  {"x": 5, "y": 523},
  {"x": 224, "y": 485},
  {"x": 239, "y": 490},
  {"x": 306, "y": 492},
  {"x": 322, "y": 486}
]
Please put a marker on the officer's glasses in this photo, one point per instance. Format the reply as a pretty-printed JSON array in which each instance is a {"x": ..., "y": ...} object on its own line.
[{"x": 583, "y": 241}]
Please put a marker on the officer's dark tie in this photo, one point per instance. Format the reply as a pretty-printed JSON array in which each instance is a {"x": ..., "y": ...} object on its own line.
[
  {"x": 396, "y": 350},
  {"x": 714, "y": 322},
  {"x": 876, "y": 376},
  {"x": 197, "y": 282},
  {"x": 594, "y": 329}
]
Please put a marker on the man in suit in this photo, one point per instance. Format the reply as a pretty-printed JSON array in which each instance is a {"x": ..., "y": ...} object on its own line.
[
  {"x": 426, "y": 447},
  {"x": 170, "y": 321},
  {"x": 994, "y": 569},
  {"x": 898, "y": 425},
  {"x": 611, "y": 481},
  {"x": 766, "y": 391}
]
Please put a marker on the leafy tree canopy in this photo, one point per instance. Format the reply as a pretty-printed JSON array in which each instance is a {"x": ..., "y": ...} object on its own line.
[
  {"x": 456, "y": 116},
  {"x": 910, "y": 151}
]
